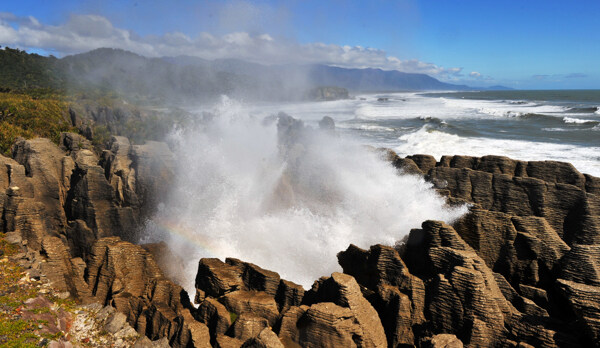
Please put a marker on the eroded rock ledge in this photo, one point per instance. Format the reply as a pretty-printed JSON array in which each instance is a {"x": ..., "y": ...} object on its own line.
[
  {"x": 521, "y": 269},
  {"x": 536, "y": 226},
  {"x": 71, "y": 210}
]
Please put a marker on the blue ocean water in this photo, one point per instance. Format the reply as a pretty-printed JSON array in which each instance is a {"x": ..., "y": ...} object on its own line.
[{"x": 526, "y": 125}]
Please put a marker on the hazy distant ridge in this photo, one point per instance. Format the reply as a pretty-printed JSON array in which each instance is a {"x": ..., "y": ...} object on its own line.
[
  {"x": 190, "y": 78},
  {"x": 356, "y": 80},
  {"x": 373, "y": 80}
]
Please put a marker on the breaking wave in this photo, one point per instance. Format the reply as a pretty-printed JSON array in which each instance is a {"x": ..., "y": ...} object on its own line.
[
  {"x": 288, "y": 199},
  {"x": 578, "y": 120}
]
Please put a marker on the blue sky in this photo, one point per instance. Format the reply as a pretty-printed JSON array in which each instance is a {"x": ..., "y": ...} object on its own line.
[{"x": 523, "y": 44}]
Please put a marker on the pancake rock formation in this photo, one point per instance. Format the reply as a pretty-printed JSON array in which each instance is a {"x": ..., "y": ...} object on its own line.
[{"x": 521, "y": 269}]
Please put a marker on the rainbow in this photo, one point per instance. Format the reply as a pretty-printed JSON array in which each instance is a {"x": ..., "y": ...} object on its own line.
[{"x": 209, "y": 246}]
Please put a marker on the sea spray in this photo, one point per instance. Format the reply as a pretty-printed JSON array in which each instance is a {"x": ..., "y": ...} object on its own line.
[{"x": 287, "y": 199}]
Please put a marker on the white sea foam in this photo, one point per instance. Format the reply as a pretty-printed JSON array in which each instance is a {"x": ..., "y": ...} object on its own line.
[
  {"x": 413, "y": 105},
  {"x": 578, "y": 120},
  {"x": 426, "y": 140},
  {"x": 406, "y": 106},
  {"x": 366, "y": 127},
  {"x": 235, "y": 196},
  {"x": 498, "y": 108},
  {"x": 500, "y": 112},
  {"x": 597, "y": 110},
  {"x": 409, "y": 106},
  {"x": 555, "y": 129}
]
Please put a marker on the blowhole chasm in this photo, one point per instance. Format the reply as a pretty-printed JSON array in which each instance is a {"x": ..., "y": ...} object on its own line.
[{"x": 282, "y": 195}]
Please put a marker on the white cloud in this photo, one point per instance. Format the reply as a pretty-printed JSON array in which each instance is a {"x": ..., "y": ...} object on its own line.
[
  {"x": 82, "y": 33},
  {"x": 475, "y": 74}
]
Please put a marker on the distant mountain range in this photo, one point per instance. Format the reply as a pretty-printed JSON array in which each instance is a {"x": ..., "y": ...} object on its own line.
[
  {"x": 355, "y": 80},
  {"x": 185, "y": 78}
]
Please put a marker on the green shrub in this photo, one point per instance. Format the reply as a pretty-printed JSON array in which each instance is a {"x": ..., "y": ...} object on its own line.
[{"x": 25, "y": 116}]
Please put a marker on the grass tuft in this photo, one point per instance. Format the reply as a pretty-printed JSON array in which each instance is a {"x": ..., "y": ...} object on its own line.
[{"x": 233, "y": 317}]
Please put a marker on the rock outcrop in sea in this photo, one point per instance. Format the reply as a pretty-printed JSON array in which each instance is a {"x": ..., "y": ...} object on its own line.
[
  {"x": 327, "y": 93},
  {"x": 521, "y": 269}
]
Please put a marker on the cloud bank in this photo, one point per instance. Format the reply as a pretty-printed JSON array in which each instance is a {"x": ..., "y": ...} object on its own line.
[{"x": 81, "y": 33}]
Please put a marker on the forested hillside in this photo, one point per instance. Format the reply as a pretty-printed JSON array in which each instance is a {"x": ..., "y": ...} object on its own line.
[
  {"x": 44, "y": 96},
  {"x": 20, "y": 71}
]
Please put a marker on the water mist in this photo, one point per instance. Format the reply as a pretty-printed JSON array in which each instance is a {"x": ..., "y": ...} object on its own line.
[{"x": 287, "y": 201}]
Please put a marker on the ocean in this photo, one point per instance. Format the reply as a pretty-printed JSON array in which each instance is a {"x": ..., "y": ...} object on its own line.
[
  {"x": 525, "y": 125},
  {"x": 236, "y": 194}
]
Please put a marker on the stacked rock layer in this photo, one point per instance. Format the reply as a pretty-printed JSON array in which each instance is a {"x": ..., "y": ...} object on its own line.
[{"x": 522, "y": 268}]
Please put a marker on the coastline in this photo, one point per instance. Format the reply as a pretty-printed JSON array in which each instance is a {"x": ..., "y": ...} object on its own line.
[{"x": 513, "y": 262}]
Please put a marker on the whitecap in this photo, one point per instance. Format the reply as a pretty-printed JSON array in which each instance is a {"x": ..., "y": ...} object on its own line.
[
  {"x": 578, "y": 120},
  {"x": 500, "y": 112},
  {"x": 438, "y": 143},
  {"x": 366, "y": 127}
]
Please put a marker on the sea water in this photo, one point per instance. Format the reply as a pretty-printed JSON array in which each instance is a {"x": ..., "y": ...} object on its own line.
[
  {"x": 236, "y": 195},
  {"x": 525, "y": 125}
]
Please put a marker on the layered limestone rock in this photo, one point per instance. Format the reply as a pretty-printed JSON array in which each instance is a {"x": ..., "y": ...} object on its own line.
[
  {"x": 522, "y": 268},
  {"x": 462, "y": 294},
  {"x": 524, "y": 249},
  {"x": 216, "y": 278},
  {"x": 66, "y": 192},
  {"x": 338, "y": 300},
  {"x": 239, "y": 300},
  {"x": 46, "y": 169},
  {"x": 582, "y": 264},
  {"x": 70, "y": 193},
  {"x": 442, "y": 341},
  {"x": 258, "y": 303},
  {"x": 215, "y": 315},
  {"x": 584, "y": 300},
  {"x": 536, "y": 225},
  {"x": 439, "y": 285},
  {"x": 397, "y": 295},
  {"x": 92, "y": 200},
  {"x": 119, "y": 170},
  {"x": 333, "y": 313},
  {"x": 265, "y": 339},
  {"x": 139, "y": 174},
  {"x": 61, "y": 204},
  {"x": 126, "y": 277},
  {"x": 63, "y": 272},
  {"x": 555, "y": 191}
]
